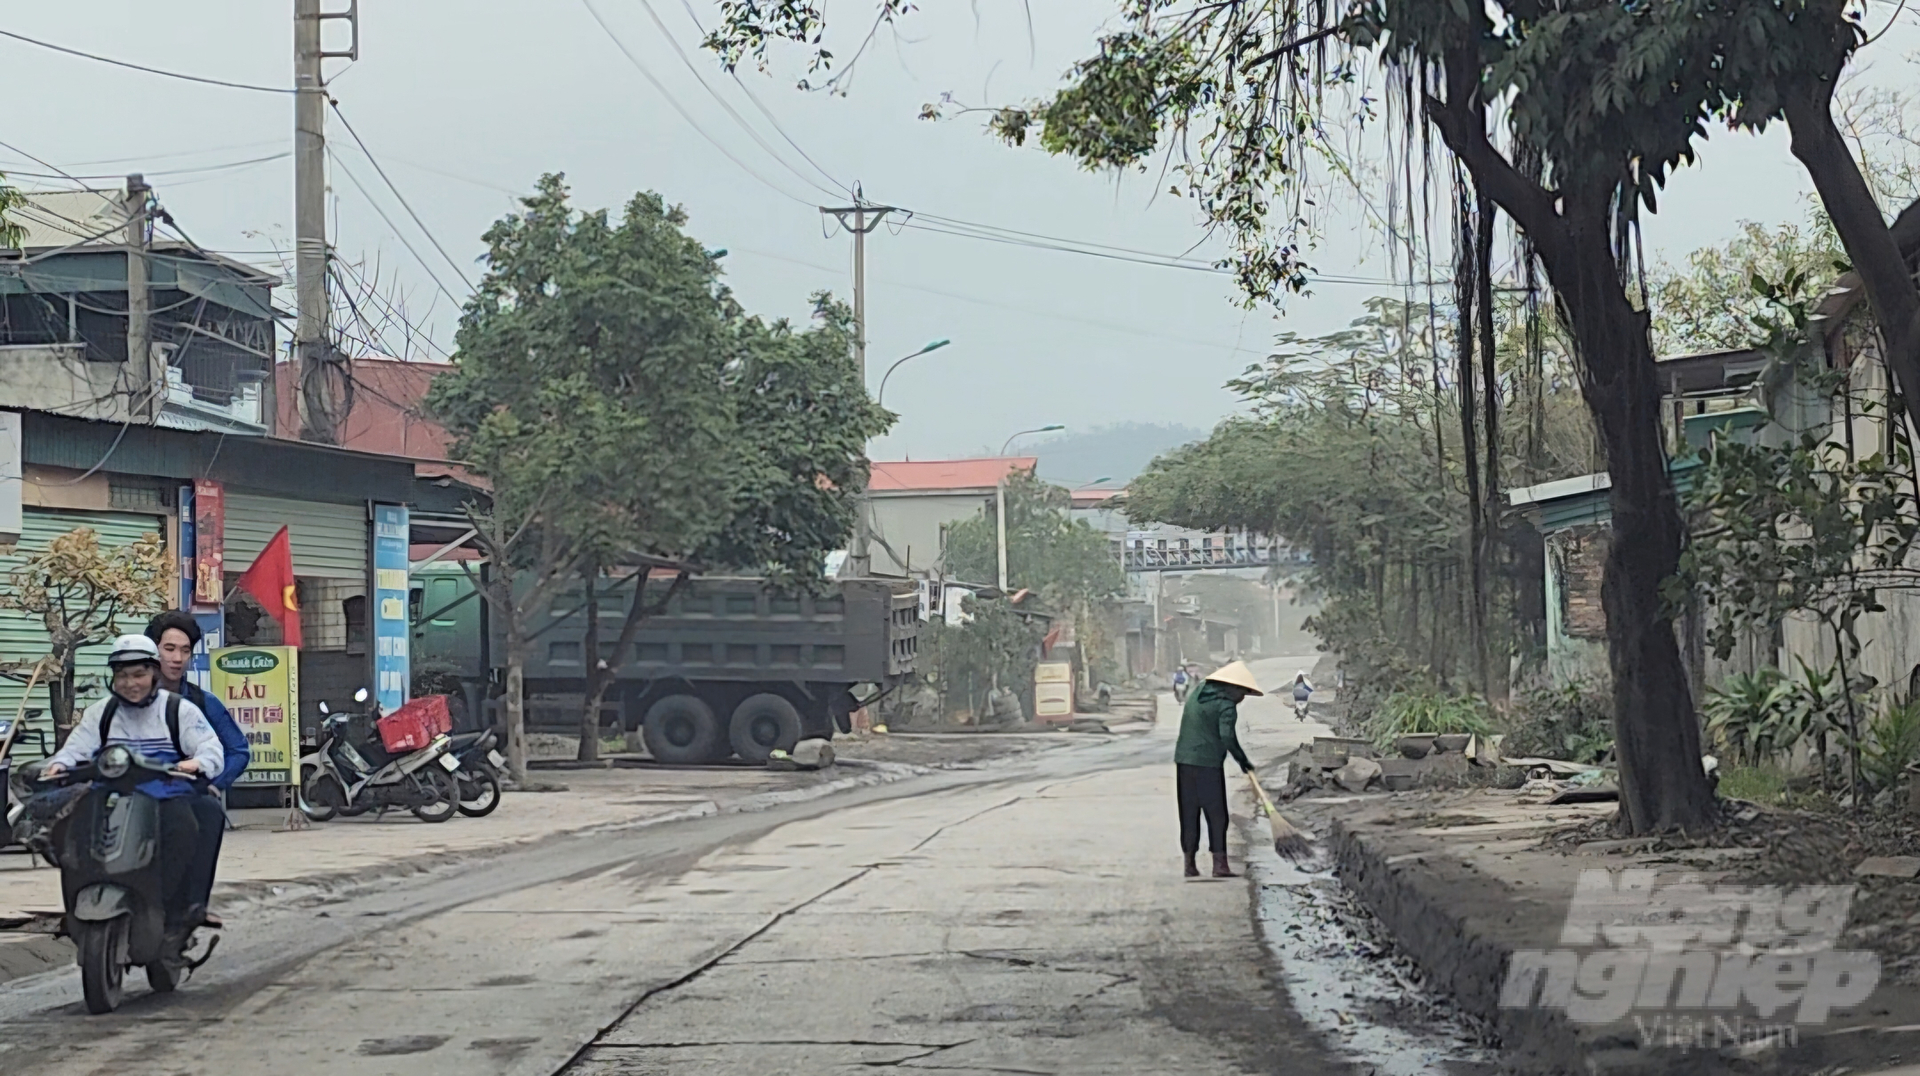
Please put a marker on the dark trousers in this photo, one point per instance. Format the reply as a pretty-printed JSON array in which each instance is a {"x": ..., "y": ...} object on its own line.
[
  {"x": 212, "y": 821},
  {"x": 1202, "y": 790},
  {"x": 179, "y": 837}
]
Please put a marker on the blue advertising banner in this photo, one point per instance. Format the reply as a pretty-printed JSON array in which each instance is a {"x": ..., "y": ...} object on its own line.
[
  {"x": 390, "y": 619},
  {"x": 212, "y": 620}
]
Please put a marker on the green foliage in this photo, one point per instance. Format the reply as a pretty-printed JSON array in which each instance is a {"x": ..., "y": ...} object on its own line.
[
  {"x": 997, "y": 648},
  {"x": 1712, "y": 305},
  {"x": 1413, "y": 712},
  {"x": 1573, "y": 722},
  {"x": 1893, "y": 743},
  {"x": 1062, "y": 559},
  {"x": 618, "y": 399},
  {"x": 1748, "y": 716},
  {"x": 1811, "y": 526},
  {"x": 803, "y": 420}
]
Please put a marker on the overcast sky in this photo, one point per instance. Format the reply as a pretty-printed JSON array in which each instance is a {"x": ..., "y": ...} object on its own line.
[{"x": 466, "y": 101}]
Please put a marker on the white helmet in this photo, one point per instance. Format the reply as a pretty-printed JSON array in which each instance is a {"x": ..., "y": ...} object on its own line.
[{"x": 132, "y": 650}]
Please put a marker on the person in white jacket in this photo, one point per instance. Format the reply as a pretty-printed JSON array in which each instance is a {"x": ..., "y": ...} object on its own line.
[{"x": 137, "y": 714}]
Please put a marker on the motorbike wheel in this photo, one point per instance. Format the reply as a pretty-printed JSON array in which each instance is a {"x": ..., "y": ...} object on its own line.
[
  {"x": 163, "y": 977},
  {"x": 321, "y": 797},
  {"x": 480, "y": 793},
  {"x": 102, "y": 976},
  {"x": 440, "y": 784}
]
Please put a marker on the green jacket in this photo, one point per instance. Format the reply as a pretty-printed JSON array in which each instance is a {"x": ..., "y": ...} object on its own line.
[{"x": 1206, "y": 730}]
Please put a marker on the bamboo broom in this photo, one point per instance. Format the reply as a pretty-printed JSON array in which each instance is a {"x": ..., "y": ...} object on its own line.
[{"x": 1288, "y": 841}]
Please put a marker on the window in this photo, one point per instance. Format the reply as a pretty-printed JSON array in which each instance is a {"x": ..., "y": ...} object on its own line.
[
  {"x": 563, "y": 653},
  {"x": 696, "y": 604},
  {"x": 742, "y": 604},
  {"x": 830, "y": 605},
  {"x": 784, "y": 606},
  {"x": 742, "y": 653},
  {"x": 829, "y": 655},
  {"x": 696, "y": 653}
]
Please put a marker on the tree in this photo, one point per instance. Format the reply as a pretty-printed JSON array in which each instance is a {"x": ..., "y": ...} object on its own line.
[
  {"x": 80, "y": 590},
  {"x": 1062, "y": 559},
  {"x": 1808, "y": 45},
  {"x": 590, "y": 390},
  {"x": 800, "y": 461}
]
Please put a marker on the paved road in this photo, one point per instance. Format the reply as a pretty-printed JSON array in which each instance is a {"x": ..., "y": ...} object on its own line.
[{"x": 1027, "y": 919}]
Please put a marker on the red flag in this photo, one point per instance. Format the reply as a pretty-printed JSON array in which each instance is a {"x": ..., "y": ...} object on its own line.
[{"x": 270, "y": 581}]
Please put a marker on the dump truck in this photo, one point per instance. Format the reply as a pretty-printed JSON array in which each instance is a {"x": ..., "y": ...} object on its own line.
[{"x": 733, "y": 666}]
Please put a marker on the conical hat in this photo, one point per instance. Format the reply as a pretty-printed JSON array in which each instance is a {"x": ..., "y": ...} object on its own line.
[{"x": 1237, "y": 674}]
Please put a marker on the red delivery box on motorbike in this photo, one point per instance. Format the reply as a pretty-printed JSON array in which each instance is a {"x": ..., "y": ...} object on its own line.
[{"x": 415, "y": 724}]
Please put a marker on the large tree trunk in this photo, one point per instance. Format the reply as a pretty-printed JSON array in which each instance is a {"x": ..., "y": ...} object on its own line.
[
  {"x": 1880, "y": 254},
  {"x": 1657, "y": 735},
  {"x": 516, "y": 705},
  {"x": 596, "y": 679}
]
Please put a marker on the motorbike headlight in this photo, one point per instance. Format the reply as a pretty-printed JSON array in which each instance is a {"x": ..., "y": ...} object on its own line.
[{"x": 114, "y": 762}]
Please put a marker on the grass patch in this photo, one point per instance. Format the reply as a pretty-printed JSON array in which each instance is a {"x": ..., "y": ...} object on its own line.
[{"x": 1755, "y": 784}]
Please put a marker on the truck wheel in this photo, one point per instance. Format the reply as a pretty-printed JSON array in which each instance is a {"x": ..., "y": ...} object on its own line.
[
  {"x": 762, "y": 723},
  {"x": 681, "y": 729}
]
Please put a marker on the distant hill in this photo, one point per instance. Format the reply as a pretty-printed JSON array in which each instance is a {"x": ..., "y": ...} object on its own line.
[{"x": 1117, "y": 452}]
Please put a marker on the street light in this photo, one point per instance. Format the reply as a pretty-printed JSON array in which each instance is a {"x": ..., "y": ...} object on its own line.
[
  {"x": 1049, "y": 428},
  {"x": 881, "y": 399}
]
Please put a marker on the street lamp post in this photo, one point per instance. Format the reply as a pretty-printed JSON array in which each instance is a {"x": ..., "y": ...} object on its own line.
[
  {"x": 881, "y": 399},
  {"x": 861, "y": 556},
  {"x": 1000, "y": 501}
]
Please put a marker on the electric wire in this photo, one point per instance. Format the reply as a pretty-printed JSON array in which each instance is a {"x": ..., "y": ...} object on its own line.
[
  {"x": 727, "y": 106},
  {"x": 143, "y": 67},
  {"x": 165, "y": 172},
  {"x": 371, "y": 159},
  {"x": 684, "y": 114},
  {"x": 357, "y": 185}
]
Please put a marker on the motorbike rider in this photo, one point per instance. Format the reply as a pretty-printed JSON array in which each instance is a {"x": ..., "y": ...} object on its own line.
[
  {"x": 167, "y": 730},
  {"x": 1302, "y": 691},
  {"x": 176, "y": 633}
]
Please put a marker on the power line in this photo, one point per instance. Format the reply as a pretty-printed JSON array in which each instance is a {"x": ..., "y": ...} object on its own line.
[
  {"x": 348, "y": 172},
  {"x": 677, "y": 107},
  {"x": 371, "y": 159},
  {"x": 164, "y": 172},
  {"x": 143, "y": 67},
  {"x": 661, "y": 25}
]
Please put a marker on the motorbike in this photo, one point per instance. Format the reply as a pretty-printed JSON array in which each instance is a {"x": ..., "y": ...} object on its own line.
[
  {"x": 110, "y": 855},
  {"x": 349, "y": 772},
  {"x": 479, "y": 773}
]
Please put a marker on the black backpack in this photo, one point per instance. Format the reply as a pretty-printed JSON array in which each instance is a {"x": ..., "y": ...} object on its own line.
[{"x": 173, "y": 720}]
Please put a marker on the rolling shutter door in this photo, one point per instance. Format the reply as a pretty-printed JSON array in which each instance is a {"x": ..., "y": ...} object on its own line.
[
  {"x": 329, "y": 540},
  {"x": 23, "y": 638}
]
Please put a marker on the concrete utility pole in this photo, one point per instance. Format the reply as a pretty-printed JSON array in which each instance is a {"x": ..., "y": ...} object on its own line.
[
  {"x": 1000, "y": 528},
  {"x": 860, "y": 218},
  {"x": 150, "y": 391},
  {"x": 317, "y": 402}
]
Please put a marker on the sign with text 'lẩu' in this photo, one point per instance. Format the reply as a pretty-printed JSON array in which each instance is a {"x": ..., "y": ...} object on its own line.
[{"x": 260, "y": 686}]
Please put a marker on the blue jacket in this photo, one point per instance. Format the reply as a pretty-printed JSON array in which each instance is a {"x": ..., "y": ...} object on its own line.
[{"x": 233, "y": 742}]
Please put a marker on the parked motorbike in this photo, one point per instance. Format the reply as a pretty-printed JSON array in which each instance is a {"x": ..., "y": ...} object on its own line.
[
  {"x": 349, "y": 772},
  {"x": 479, "y": 773},
  {"x": 110, "y": 856}
]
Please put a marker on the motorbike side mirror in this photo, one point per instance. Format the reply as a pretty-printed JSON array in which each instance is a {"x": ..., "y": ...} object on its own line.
[
  {"x": 360, "y": 695},
  {"x": 323, "y": 707}
]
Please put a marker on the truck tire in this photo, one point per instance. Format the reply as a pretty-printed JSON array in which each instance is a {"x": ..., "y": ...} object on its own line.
[
  {"x": 762, "y": 723},
  {"x": 681, "y": 729}
]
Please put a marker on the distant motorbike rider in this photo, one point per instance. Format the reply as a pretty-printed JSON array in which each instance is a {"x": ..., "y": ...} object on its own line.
[
  {"x": 166, "y": 729},
  {"x": 176, "y": 633},
  {"x": 1302, "y": 691}
]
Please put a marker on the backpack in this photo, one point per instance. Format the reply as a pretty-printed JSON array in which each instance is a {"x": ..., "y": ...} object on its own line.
[{"x": 173, "y": 720}]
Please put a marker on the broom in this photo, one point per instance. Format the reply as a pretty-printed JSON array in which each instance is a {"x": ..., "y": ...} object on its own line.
[{"x": 1288, "y": 841}]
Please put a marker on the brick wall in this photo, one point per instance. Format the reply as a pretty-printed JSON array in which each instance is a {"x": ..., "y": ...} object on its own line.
[{"x": 1579, "y": 557}]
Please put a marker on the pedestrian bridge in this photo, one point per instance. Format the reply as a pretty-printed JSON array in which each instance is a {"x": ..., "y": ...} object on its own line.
[{"x": 1190, "y": 559}]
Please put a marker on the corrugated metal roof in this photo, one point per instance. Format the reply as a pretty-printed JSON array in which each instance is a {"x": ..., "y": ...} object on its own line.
[{"x": 946, "y": 475}]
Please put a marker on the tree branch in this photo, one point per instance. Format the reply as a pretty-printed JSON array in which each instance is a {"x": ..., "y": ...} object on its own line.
[{"x": 1464, "y": 129}]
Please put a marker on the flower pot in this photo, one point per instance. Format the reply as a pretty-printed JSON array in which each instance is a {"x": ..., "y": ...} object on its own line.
[{"x": 1417, "y": 746}]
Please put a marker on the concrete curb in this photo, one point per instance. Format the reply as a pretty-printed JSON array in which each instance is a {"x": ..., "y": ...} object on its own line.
[{"x": 1459, "y": 960}]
